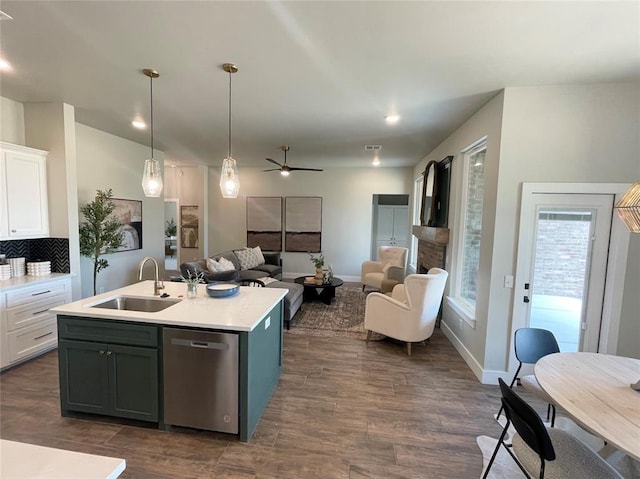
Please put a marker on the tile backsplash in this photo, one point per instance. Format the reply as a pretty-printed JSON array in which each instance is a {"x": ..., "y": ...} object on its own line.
[{"x": 55, "y": 250}]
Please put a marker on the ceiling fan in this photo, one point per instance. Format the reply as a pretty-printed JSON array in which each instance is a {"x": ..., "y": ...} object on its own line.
[{"x": 284, "y": 169}]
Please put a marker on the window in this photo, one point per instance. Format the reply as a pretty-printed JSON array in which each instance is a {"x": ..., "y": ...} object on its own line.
[
  {"x": 468, "y": 255},
  {"x": 417, "y": 205}
]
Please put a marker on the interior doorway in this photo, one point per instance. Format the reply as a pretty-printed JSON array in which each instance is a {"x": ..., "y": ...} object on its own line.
[{"x": 390, "y": 222}]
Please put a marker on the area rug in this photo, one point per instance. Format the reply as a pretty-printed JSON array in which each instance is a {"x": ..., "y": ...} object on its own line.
[{"x": 344, "y": 317}]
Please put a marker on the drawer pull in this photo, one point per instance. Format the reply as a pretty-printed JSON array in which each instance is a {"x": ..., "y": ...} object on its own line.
[
  {"x": 41, "y": 292},
  {"x": 109, "y": 353},
  {"x": 43, "y": 336},
  {"x": 40, "y": 312}
]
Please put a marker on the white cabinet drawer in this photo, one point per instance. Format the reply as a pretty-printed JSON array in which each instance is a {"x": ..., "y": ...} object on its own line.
[
  {"x": 32, "y": 339},
  {"x": 34, "y": 312},
  {"x": 37, "y": 292}
]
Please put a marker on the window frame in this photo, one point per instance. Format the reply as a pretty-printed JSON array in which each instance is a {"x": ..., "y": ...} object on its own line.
[
  {"x": 465, "y": 309},
  {"x": 417, "y": 205}
]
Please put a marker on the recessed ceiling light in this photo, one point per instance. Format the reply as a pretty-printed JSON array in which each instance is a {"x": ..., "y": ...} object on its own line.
[
  {"x": 391, "y": 119},
  {"x": 5, "y": 65},
  {"x": 139, "y": 124},
  {"x": 376, "y": 161}
]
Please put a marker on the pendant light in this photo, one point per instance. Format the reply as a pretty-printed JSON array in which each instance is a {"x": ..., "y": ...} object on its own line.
[
  {"x": 229, "y": 181},
  {"x": 152, "y": 176}
]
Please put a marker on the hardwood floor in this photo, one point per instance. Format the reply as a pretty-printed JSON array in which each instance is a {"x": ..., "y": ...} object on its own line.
[{"x": 343, "y": 409}]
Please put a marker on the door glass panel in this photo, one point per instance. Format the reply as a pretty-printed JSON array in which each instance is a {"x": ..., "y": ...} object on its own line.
[{"x": 561, "y": 265}]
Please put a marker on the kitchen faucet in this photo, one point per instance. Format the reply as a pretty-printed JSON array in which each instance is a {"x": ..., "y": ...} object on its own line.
[{"x": 157, "y": 283}]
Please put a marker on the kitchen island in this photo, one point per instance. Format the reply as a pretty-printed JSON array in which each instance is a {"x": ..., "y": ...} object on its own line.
[{"x": 112, "y": 360}]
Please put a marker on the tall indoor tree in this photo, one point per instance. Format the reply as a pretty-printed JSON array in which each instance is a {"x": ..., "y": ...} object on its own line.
[{"x": 101, "y": 232}]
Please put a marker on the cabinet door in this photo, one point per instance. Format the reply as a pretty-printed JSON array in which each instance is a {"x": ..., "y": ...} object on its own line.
[
  {"x": 84, "y": 378},
  {"x": 384, "y": 229},
  {"x": 400, "y": 225},
  {"x": 133, "y": 379},
  {"x": 26, "y": 195}
]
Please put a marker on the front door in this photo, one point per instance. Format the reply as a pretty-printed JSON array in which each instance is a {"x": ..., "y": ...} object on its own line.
[{"x": 562, "y": 263}]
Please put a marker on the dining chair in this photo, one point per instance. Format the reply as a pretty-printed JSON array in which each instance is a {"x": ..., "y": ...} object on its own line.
[
  {"x": 530, "y": 345},
  {"x": 541, "y": 452}
]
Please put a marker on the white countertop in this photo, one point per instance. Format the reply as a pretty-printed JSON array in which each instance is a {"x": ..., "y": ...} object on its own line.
[
  {"x": 242, "y": 312},
  {"x": 26, "y": 280},
  {"x": 27, "y": 461}
]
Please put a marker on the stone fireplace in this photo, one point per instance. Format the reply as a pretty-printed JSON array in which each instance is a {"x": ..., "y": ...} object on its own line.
[{"x": 432, "y": 247}]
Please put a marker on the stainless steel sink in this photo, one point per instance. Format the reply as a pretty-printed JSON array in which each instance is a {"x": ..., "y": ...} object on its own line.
[{"x": 128, "y": 303}]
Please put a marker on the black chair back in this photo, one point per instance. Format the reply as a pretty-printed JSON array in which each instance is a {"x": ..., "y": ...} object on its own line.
[
  {"x": 531, "y": 344},
  {"x": 527, "y": 423}
]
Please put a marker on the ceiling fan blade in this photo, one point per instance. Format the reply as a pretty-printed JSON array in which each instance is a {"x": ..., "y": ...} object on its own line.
[
  {"x": 273, "y": 169},
  {"x": 274, "y": 162},
  {"x": 304, "y": 169}
]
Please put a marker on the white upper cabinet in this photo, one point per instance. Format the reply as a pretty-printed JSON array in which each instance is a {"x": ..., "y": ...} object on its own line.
[{"x": 24, "y": 209}]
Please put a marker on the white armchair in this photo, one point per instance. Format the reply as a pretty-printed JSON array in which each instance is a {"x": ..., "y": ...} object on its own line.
[
  {"x": 388, "y": 271},
  {"x": 410, "y": 313}
]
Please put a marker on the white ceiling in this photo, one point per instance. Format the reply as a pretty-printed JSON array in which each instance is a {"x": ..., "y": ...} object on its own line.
[{"x": 319, "y": 76}]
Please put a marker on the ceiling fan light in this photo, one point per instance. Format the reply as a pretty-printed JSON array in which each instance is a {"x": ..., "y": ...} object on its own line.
[
  {"x": 284, "y": 172},
  {"x": 229, "y": 179},
  {"x": 152, "y": 179}
]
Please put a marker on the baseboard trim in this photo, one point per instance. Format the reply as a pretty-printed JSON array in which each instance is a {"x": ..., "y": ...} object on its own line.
[{"x": 484, "y": 376}]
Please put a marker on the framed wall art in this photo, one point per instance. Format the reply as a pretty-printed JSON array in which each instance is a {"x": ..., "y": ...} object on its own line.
[
  {"x": 264, "y": 223},
  {"x": 303, "y": 223},
  {"x": 189, "y": 226},
  {"x": 129, "y": 212}
]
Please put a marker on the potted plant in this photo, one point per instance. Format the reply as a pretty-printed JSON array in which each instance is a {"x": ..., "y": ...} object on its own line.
[
  {"x": 193, "y": 280},
  {"x": 318, "y": 262},
  {"x": 101, "y": 232},
  {"x": 171, "y": 229}
]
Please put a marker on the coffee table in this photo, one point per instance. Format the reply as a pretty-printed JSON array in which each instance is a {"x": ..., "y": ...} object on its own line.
[{"x": 322, "y": 292}]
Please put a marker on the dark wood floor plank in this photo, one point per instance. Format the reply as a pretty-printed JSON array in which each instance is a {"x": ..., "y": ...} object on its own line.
[{"x": 343, "y": 408}]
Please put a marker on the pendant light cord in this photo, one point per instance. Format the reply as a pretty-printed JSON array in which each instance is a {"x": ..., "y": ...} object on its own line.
[
  {"x": 229, "y": 114},
  {"x": 151, "y": 89}
]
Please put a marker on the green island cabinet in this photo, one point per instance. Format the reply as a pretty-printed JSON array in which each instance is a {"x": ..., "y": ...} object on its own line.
[
  {"x": 109, "y": 368},
  {"x": 113, "y": 368}
]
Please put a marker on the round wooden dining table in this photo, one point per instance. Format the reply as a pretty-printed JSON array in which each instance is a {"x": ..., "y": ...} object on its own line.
[{"x": 594, "y": 389}]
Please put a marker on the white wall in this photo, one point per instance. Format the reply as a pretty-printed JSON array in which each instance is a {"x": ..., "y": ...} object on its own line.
[
  {"x": 107, "y": 161},
  {"x": 486, "y": 122},
  {"x": 346, "y": 211},
  {"x": 11, "y": 121},
  {"x": 586, "y": 133},
  {"x": 51, "y": 127}
]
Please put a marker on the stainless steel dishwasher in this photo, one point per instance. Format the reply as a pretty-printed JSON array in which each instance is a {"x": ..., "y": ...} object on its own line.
[{"x": 201, "y": 379}]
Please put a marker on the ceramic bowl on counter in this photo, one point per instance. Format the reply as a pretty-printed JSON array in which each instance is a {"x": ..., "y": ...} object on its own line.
[{"x": 222, "y": 290}]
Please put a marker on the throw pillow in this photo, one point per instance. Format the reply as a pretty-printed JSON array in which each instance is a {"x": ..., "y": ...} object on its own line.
[
  {"x": 212, "y": 265},
  {"x": 257, "y": 252},
  {"x": 225, "y": 264},
  {"x": 247, "y": 258}
]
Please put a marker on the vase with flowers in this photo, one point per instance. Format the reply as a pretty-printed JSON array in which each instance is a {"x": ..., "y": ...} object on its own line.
[
  {"x": 193, "y": 280},
  {"x": 318, "y": 262}
]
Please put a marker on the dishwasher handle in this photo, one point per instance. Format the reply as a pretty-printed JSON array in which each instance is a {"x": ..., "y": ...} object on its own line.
[{"x": 194, "y": 343}]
